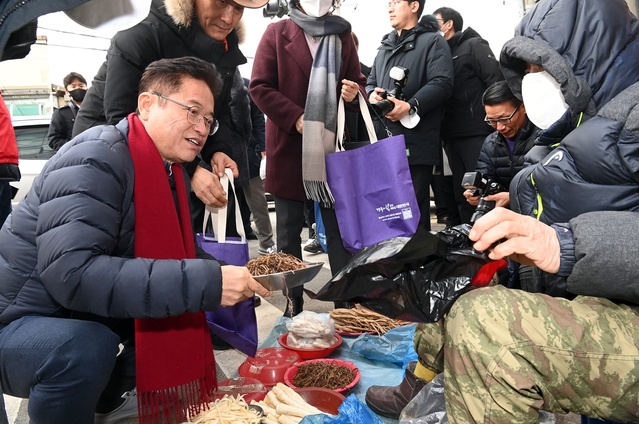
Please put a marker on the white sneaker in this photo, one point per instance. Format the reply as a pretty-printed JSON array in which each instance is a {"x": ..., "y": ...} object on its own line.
[
  {"x": 268, "y": 250},
  {"x": 128, "y": 409}
]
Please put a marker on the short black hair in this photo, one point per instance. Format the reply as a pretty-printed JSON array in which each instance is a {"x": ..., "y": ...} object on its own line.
[
  {"x": 499, "y": 92},
  {"x": 167, "y": 75},
  {"x": 422, "y": 3},
  {"x": 450, "y": 14},
  {"x": 72, "y": 76}
]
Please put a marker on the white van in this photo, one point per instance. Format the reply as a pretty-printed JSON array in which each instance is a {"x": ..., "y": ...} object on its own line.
[{"x": 33, "y": 150}]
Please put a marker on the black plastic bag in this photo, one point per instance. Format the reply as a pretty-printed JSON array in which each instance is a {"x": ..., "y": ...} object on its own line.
[{"x": 413, "y": 279}]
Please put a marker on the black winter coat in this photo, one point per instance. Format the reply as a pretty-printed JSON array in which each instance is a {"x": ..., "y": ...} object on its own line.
[
  {"x": 61, "y": 127},
  {"x": 67, "y": 250},
  {"x": 430, "y": 80},
  {"x": 495, "y": 160},
  {"x": 476, "y": 68},
  {"x": 113, "y": 93}
]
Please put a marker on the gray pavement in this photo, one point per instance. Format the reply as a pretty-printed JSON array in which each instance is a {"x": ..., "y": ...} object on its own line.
[{"x": 267, "y": 313}]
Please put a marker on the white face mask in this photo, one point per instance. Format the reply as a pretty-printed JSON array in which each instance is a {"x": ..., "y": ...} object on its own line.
[
  {"x": 316, "y": 8},
  {"x": 544, "y": 101}
]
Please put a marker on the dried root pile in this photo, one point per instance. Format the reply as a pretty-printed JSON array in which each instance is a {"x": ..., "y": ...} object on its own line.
[
  {"x": 363, "y": 320},
  {"x": 229, "y": 409},
  {"x": 323, "y": 374},
  {"x": 273, "y": 263}
]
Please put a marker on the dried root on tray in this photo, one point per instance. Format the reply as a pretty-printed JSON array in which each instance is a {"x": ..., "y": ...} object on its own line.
[
  {"x": 229, "y": 409},
  {"x": 363, "y": 320},
  {"x": 283, "y": 405},
  {"x": 273, "y": 263}
]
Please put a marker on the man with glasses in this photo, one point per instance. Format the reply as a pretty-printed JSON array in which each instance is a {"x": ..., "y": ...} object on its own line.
[
  {"x": 463, "y": 131},
  {"x": 502, "y": 154},
  {"x": 115, "y": 243},
  {"x": 174, "y": 28},
  {"x": 415, "y": 45}
]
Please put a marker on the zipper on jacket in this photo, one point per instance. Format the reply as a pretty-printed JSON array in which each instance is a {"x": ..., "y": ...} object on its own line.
[{"x": 13, "y": 9}]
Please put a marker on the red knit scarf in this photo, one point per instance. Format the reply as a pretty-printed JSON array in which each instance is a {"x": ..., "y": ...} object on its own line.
[{"x": 175, "y": 367}]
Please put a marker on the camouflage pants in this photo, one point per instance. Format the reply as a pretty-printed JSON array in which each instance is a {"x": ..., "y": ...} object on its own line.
[{"x": 507, "y": 353}]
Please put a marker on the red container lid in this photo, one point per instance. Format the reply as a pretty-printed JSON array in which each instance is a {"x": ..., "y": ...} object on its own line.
[{"x": 269, "y": 365}]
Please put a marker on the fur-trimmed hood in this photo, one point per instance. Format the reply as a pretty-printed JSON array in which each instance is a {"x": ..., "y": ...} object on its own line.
[{"x": 183, "y": 11}]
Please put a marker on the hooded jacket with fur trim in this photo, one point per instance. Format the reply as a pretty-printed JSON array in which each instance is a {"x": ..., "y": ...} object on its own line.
[{"x": 170, "y": 30}]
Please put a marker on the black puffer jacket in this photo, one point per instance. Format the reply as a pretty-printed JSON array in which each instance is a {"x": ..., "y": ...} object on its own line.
[
  {"x": 589, "y": 47},
  {"x": 430, "y": 80},
  {"x": 169, "y": 31},
  {"x": 495, "y": 160},
  {"x": 594, "y": 169},
  {"x": 476, "y": 68},
  {"x": 67, "y": 249}
]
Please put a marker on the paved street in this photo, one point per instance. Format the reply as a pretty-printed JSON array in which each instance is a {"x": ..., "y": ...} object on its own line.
[{"x": 267, "y": 314}]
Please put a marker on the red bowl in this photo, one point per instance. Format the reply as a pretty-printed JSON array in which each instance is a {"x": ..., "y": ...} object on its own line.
[
  {"x": 310, "y": 353},
  {"x": 269, "y": 365},
  {"x": 323, "y": 399},
  {"x": 290, "y": 373}
]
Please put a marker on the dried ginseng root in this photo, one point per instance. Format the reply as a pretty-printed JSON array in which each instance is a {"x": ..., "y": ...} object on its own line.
[{"x": 274, "y": 263}]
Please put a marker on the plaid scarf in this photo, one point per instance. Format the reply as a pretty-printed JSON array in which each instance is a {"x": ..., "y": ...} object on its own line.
[
  {"x": 175, "y": 368},
  {"x": 320, "y": 110}
]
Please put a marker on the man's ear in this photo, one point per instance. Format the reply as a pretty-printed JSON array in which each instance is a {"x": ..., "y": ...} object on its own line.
[{"x": 145, "y": 102}]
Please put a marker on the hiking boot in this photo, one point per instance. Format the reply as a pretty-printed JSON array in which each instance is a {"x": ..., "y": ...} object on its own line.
[
  {"x": 313, "y": 246},
  {"x": 388, "y": 401},
  {"x": 127, "y": 409}
]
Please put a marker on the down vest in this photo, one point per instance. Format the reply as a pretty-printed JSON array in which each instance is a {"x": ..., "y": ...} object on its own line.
[
  {"x": 67, "y": 248},
  {"x": 594, "y": 169}
]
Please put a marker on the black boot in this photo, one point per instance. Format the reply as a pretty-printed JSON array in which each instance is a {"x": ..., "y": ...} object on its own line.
[
  {"x": 388, "y": 401},
  {"x": 296, "y": 309}
]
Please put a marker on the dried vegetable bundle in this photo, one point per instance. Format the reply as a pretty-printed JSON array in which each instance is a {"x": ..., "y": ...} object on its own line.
[{"x": 274, "y": 263}]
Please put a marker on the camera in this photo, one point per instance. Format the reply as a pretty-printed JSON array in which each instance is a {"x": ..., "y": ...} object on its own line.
[
  {"x": 274, "y": 8},
  {"x": 399, "y": 75},
  {"x": 482, "y": 187}
]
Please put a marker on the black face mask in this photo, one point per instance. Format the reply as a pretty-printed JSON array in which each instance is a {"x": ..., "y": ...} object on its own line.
[{"x": 78, "y": 94}]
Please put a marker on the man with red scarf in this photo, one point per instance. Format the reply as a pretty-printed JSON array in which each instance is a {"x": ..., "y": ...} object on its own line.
[{"x": 101, "y": 253}]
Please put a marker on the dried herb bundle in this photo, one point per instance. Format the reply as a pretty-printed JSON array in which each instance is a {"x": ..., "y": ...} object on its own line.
[
  {"x": 273, "y": 263},
  {"x": 323, "y": 374},
  {"x": 363, "y": 320}
]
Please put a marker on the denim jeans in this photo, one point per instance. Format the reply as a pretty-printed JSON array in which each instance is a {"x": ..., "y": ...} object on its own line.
[{"x": 61, "y": 365}]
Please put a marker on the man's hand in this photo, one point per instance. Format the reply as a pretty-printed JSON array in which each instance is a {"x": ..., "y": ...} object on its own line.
[
  {"x": 501, "y": 200},
  {"x": 374, "y": 96},
  {"x": 239, "y": 285},
  {"x": 220, "y": 161},
  {"x": 206, "y": 185},
  {"x": 400, "y": 110},
  {"x": 349, "y": 90},
  {"x": 299, "y": 124},
  {"x": 472, "y": 200},
  {"x": 528, "y": 241}
]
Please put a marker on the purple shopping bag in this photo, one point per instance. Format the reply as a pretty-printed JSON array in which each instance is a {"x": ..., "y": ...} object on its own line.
[
  {"x": 237, "y": 324},
  {"x": 373, "y": 190}
]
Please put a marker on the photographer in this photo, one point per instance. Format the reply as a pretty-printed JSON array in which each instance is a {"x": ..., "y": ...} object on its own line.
[
  {"x": 503, "y": 151},
  {"x": 416, "y": 46}
]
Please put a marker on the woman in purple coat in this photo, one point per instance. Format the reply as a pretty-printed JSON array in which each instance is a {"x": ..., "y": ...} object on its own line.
[{"x": 298, "y": 74}]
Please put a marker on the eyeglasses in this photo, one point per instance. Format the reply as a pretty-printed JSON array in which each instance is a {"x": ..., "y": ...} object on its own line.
[
  {"x": 194, "y": 114},
  {"x": 394, "y": 3},
  {"x": 504, "y": 121}
]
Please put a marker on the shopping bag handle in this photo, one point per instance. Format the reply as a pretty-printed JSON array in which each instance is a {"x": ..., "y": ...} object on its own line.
[
  {"x": 341, "y": 119},
  {"x": 219, "y": 216}
]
